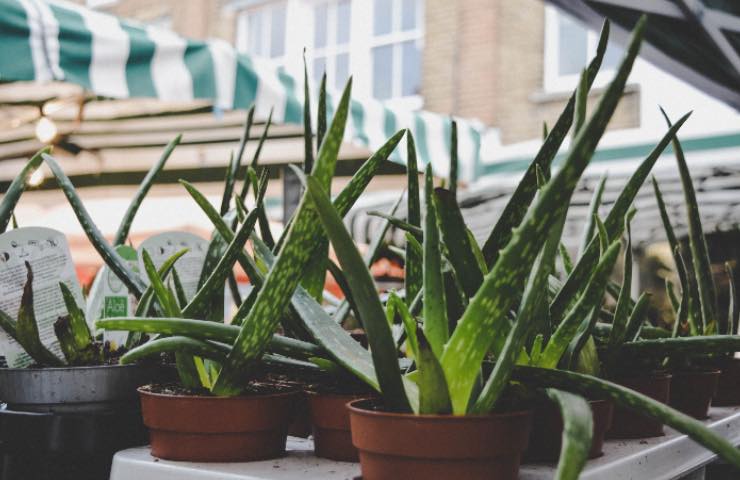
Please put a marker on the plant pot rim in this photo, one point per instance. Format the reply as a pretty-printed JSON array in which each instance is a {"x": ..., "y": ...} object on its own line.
[
  {"x": 358, "y": 410},
  {"x": 661, "y": 374},
  {"x": 78, "y": 368},
  {"x": 355, "y": 396},
  {"x": 700, "y": 371},
  {"x": 287, "y": 393}
]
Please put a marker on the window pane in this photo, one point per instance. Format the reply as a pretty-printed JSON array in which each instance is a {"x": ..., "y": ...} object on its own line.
[
  {"x": 383, "y": 72},
  {"x": 411, "y": 64},
  {"x": 573, "y": 45},
  {"x": 612, "y": 56},
  {"x": 254, "y": 33},
  {"x": 341, "y": 72},
  {"x": 343, "y": 22},
  {"x": 319, "y": 67},
  {"x": 277, "y": 32},
  {"x": 320, "y": 20},
  {"x": 382, "y": 17},
  {"x": 408, "y": 14}
]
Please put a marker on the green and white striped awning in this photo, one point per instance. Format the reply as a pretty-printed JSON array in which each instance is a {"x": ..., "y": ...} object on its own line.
[{"x": 60, "y": 41}]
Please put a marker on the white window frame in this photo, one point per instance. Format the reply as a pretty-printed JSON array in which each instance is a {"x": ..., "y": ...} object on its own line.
[
  {"x": 396, "y": 37},
  {"x": 266, "y": 10},
  {"x": 553, "y": 81},
  {"x": 331, "y": 50}
]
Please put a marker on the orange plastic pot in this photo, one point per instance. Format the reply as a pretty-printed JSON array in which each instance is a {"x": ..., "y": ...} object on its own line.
[
  {"x": 629, "y": 424},
  {"x": 692, "y": 392},
  {"x": 331, "y": 428},
  {"x": 217, "y": 429},
  {"x": 438, "y": 447}
]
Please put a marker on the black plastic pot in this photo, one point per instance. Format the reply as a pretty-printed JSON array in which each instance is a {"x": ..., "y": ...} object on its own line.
[{"x": 66, "y": 423}]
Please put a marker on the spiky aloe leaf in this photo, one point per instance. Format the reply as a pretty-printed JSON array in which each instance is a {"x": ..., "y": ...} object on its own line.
[
  {"x": 27, "y": 331},
  {"x": 17, "y": 186},
  {"x": 621, "y": 312},
  {"x": 590, "y": 299},
  {"x": 593, "y": 210},
  {"x": 577, "y": 433},
  {"x": 225, "y": 266},
  {"x": 179, "y": 345},
  {"x": 417, "y": 232},
  {"x": 179, "y": 290},
  {"x": 282, "y": 279},
  {"x": 255, "y": 158},
  {"x": 534, "y": 301},
  {"x": 581, "y": 101},
  {"x": 263, "y": 221},
  {"x": 697, "y": 243},
  {"x": 166, "y": 299},
  {"x": 382, "y": 345},
  {"x": 614, "y": 224},
  {"x": 480, "y": 328},
  {"x": 307, "y": 129},
  {"x": 687, "y": 287},
  {"x": 522, "y": 197},
  {"x": 218, "y": 332},
  {"x": 434, "y": 397},
  {"x": 733, "y": 313},
  {"x": 460, "y": 246},
  {"x": 321, "y": 120},
  {"x": 144, "y": 187},
  {"x": 396, "y": 307},
  {"x": 436, "y": 328},
  {"x": 565, "y": 257},
  {"x": 8, "y": 325},
  {"x": 373, "y": 250},
  {"x": 637, "y": 317},
  {"x": 245, "y": 137},
  {"x": 104, "y": 249},
  {"x": 413, "y": 266},
  {"x": 327, "y": 333},
  {"x": 74, "y": 335},
  {"x": 632, "y": 400},
  {"x": 453, "y": 160}
]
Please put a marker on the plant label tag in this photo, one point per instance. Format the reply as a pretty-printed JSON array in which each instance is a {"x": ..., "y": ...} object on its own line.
[
  {"x": 48, "y": 253},
  {"x": 189, "y": 267},
  {"x": 109, "y": 297}
]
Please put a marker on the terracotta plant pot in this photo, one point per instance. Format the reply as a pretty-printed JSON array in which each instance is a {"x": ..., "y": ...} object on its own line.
[
  {"x": 628, "y": 424},
  {"x": 728, "y": 386},
  {"x": 437, "y": 447},
  {"x": 547, "y": 430},
  {"x": 217, "y": 429},
  {"x": 692, "y": 391},
  {"x": 331, "y": 432}
]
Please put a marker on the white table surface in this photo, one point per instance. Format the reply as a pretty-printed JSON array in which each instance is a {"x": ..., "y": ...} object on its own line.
[{"x": 663, "y": 458}]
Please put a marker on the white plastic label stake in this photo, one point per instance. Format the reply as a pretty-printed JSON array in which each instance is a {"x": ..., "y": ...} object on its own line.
[
  {"x": 51, "y": 262},
  {"x": 189, "y": 267}
]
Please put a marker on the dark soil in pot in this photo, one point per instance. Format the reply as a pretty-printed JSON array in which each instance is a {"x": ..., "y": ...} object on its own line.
[
  {"x": 692, "y": 391},
  {"x": 205, "y": 428},
  {"x": 437, "y": 447},
  {"x": 728, "y": 386},
  {"x": 547, "y": 430},
  {"x": 629, "y": 424}
]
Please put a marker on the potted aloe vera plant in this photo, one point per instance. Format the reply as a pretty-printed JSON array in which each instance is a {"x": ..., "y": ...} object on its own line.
[
  {"x": 423, "y": 424},
  {"x": 236, "y": 351},
  {"x": 70, "y": 406}
]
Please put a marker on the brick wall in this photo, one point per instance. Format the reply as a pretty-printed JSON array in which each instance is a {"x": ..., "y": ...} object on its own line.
[{"x": 495, "y": 70}]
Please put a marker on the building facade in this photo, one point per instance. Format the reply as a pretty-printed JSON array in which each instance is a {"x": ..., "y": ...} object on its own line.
[{"x": 511, "y": 65}]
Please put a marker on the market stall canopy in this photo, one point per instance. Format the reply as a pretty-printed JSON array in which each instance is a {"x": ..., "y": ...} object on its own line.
[
  {"x": 695, "y": 40},
  {"x": 60, "y": 41}
]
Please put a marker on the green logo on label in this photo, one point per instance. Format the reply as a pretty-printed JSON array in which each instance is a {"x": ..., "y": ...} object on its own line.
[{"x": 115, "y": 307}]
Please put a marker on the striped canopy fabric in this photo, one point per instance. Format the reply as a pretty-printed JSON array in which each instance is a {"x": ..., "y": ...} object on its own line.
[{"x": 60, "y": 41}]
